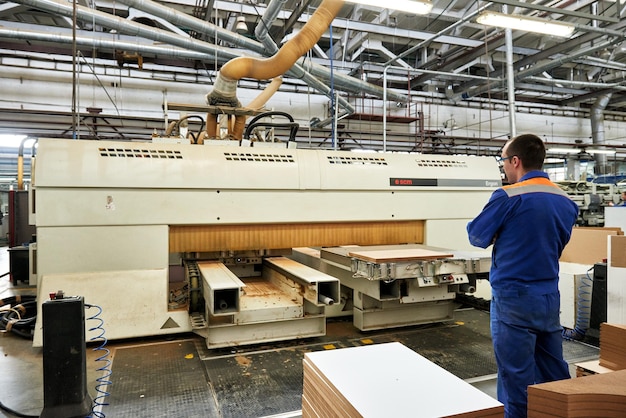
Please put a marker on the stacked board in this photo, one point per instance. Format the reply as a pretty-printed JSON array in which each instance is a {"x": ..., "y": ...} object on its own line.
[
  {"x": 595, "y": 395},
  {"x": 613, "y": 346},
  {"x": 387, "y": 380},
  {"x": 598, "y": 395}
]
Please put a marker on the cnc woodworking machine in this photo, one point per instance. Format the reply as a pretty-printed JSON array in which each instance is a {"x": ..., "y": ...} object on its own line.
[{"x": 229, "y": 242}]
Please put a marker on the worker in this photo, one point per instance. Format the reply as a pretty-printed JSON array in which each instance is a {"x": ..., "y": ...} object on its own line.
[
  {"x": 529, "y": 222},
  {"x": 622, "y": 203}
]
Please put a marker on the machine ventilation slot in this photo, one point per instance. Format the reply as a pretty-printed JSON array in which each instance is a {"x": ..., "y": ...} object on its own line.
[
  {"x": 357, "y": 160},
  {"x": 441, "y": 163},
  {"x": 256, "y": 157},
  {"x": 140, "y": 153}
]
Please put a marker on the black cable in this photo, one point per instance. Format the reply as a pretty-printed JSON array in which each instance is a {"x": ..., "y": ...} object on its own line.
[
  {"x": 21, "y": 318},
  {"x": 17, "y": 414}
]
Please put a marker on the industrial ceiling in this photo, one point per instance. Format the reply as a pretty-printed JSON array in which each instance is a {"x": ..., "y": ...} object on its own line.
[{"x": 444, "y": 56}]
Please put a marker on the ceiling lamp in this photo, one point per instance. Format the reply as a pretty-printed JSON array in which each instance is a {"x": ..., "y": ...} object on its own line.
[
  {"x": 418, "y": 7},
  {"x": 526, "y": 23},
  {"x": 241, "y": 26}
]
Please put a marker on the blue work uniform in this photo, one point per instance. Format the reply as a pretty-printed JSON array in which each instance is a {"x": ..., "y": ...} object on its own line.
[{"x": 529, "y": 223}]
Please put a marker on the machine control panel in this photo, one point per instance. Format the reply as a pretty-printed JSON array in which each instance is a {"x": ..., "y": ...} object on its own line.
[
  {"x": 452, "y": 279},
  {"x": 447, "y": 279}
]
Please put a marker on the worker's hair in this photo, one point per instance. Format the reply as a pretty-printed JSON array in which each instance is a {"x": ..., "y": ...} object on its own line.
[{"x": 530, "y": 149}]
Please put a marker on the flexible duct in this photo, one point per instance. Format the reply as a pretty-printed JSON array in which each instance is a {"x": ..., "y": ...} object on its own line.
[
  {"x": 256, "y": 104},
  {"x": 224, "y": 89},
  {"x": 310, "y": 74},
  {"x": 297, "y": 70}
]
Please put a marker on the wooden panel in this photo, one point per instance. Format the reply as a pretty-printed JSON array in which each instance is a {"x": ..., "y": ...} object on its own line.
[
  {"x": 598, "y": 395},
  {"x": 404, "y": 254},
  {"x": 387, "y": 380},
  {"x": 202, "y": 238}
]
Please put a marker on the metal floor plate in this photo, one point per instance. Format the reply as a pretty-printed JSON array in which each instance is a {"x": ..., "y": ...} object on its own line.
[
  {"x": 185, "y": 379},
  {"x": 159, "y": 380}
]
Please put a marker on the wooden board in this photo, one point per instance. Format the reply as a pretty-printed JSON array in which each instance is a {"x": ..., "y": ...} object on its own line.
[
  {"x": 189, "y": 238},
  {"x": 400, "y": 254},
  {"x": 387, "y": 380}
]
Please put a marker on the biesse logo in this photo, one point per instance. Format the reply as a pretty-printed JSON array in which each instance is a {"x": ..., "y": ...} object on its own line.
[{"x": 403, "y": 181}]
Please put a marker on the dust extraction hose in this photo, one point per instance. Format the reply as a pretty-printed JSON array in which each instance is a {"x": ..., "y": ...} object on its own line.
[{"x": 224, "y": 89}]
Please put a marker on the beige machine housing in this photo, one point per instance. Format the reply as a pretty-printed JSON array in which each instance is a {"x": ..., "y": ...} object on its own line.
[{"x": 122, "y": 223}]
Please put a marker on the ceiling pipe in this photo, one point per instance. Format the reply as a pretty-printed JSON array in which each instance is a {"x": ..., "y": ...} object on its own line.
[
  {"x": 128, "y": 27},
  {"x": 262, "y": 34},
  {"x": 537, "y": 69},
  {"x": 106, "y": 42},
  {"x": 299, "y": 70},
  {"x": 615, "y": 29},
  {"x": 575, "y": 83},
  {"x": 262, "y": 28},
  {"x": 597, "y": 130},
  {"x": 88, "y": 15},
  {"x": 182, "y": 19},
  {"x": 225, "y": 86}
]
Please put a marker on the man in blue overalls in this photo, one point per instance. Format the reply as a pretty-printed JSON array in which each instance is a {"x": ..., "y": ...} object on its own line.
[{"x": 529, "y": 222}]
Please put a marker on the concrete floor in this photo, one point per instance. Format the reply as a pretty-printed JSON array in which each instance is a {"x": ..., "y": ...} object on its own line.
[
  {"x": 21, "y": 364},
  {"x": 21, "y": 378},
  {"x": 22, "y": 372}
]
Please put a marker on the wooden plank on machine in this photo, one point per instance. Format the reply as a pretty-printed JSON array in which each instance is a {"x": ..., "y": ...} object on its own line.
[{"x": 399, "y": 254}]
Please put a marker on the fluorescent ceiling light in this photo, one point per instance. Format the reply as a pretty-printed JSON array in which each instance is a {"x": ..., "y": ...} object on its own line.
[
  {"x": 580, "y": 151},
  {"x": 526, "y": 23},
  {"x": 418, "y": 7}
]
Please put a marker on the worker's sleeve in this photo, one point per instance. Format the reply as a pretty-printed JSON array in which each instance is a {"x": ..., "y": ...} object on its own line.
[{"x": 483, "y": 229}]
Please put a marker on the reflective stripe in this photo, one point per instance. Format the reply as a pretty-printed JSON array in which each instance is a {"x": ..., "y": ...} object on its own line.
[
  {"x": 534, "y": 185},
  {"x": 534, "y": 189}
]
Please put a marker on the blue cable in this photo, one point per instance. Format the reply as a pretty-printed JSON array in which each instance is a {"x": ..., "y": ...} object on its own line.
[{"x": 103, "y": 382}]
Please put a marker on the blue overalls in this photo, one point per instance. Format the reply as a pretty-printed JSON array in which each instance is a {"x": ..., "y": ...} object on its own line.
[{"x": 529, "y": 223}]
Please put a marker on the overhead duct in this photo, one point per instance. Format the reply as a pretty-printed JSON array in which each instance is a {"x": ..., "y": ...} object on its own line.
[
  {"x": 307, "y": 72},
  {"x": 302, "y": 69},
  {"x": 104, "y": 41},
  {"x": 536, "y": 69},
  {"x": 224, "y": 89},
  {"x": 597, "y": 130},
  {"x": 128, "y": 27}
]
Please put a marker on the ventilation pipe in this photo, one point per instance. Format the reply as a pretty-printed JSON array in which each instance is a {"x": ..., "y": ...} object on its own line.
[
  {"x": 85, "y": 14},
  {"x": 297, "y": 70},
  {"x": 224, "y": 89},
  {"x": 597, "y": 130},
  {"x": 536, "y": 69},
  {"x": 305, "y": 70},
  {"x": 105, "y": 42}
]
